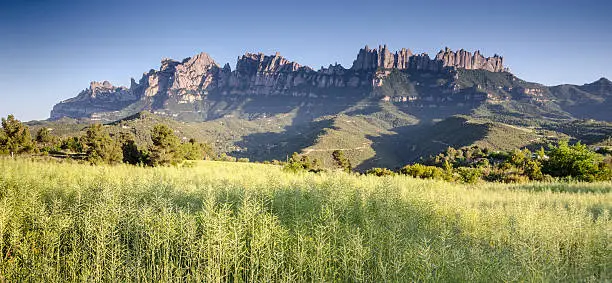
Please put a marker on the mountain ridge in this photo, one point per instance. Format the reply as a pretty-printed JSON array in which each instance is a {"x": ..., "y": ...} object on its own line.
[{"x": 189, "y": 81}]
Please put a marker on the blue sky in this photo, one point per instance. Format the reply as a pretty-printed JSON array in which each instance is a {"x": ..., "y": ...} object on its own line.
[{"x": 51, "y": 50}]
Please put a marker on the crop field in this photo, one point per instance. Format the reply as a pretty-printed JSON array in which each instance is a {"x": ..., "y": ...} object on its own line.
[{"x": 243, "y": 222}]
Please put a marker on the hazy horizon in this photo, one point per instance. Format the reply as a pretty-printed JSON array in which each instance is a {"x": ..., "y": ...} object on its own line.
[{"x": 51, "y": 50}]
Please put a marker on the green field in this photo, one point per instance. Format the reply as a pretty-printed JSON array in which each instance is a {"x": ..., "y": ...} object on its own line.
[{"x": 217, "y": 221}]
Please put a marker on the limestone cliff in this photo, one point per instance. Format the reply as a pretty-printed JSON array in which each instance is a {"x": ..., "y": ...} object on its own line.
[
  {"x": 190, "y": 81},
  {"x": 382, "y": 58}
]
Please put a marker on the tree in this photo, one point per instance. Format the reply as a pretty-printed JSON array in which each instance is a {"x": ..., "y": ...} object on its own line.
[
  {"x": 43, "y": 136},
  {"x": 45, "y": 140},
  {"x": 3, "y": 142},
  {"x": 101, "y": 148},
  {"x": 16, "y": 138},
  {"x": 74, "y": 144},
  {"x": 131, "y": 153},
  {"x": 576, "y": 161},
  {"x": 302, "y": 163},
  {"x": 342, "y": 161},
  {"x": 194, "y": 150},
  {"x": 165, "y": 149}
]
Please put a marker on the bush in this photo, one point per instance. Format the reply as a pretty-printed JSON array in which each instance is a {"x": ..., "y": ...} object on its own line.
[
  {"x": 224, "y": 157},
  {"x": 515, "y": 178},
  {"x": 342, "y": 161},
  {"x": 576, "y": 161},
  {"x": 44, "y": 137},
  {"x": 380, "y": 172},
  {"x": 302, "y": 163},
  {"x": 423, "y": 171},
  {"x": 469, "y": 175}
]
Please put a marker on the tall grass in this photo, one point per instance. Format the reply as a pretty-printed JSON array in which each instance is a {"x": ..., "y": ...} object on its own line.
[{"x": 246, "y": 222}]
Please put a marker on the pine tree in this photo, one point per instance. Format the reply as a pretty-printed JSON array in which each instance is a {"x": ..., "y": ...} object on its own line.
[
  {"x": 342, "y": 161},
  {"x": 16, "y": 138},
  {"x": 165, "y": 149},
  {"x": 101, "y": 148}
]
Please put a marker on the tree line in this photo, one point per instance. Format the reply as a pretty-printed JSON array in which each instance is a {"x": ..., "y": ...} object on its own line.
[
  {"x": 98, "y": 146},
  {"x": 561, "y": 161}
]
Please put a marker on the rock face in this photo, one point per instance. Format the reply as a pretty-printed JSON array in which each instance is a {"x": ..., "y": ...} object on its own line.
[
  {"x": 105, "y": 91},
  {"x": 184, "y": 82},
  {"x": 381, "y": 58},
  {"x": 465, "y": 60},
  {"x": 99, "y": 97},
  {"x": 261, "y": 74},
  {"x": 258, "y": 74},
  {"x": 191, "y": 80}
]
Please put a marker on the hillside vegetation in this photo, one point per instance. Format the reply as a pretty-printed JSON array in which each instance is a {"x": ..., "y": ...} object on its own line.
[{"x": 239, "y": 222}]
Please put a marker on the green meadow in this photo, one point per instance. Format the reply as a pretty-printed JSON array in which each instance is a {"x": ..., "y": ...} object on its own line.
[{"x": 241, "y": 222}]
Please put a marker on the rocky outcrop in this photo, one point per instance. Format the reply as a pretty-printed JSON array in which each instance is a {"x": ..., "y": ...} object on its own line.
[
  {"x": 104, "y": 91},
  {"x": 193, "y": 79},
  {"x": 193, "y": 74},
  {"x": 185, "y": 82},
  {"x": 100, "y": 96},
  {"x": 381, "y": 58},
  {"x": 465, "y": 60},
  {"x": 259, "y": 74}
]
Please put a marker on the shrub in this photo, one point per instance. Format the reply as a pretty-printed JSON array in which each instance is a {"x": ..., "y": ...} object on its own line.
[
  {"x": 515, "y": 178},
  {"x": 44, "y": 137},
  {"x": 302, "y": 163},
  {"x": 193, "y": 150},
  {"x": 469, "y": 175},
  {"x": 576, "y": 161},
  {"x": 423, "y": 171},
  {"x": 342, "y": 161},
  {"x": 380, "y": 172},
  {"x": 224, "y": 157},
  {"x": 533, "y": 170}
]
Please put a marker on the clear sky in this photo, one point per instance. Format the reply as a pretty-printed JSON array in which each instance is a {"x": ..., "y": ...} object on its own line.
[{"x": 51, "y": 50}]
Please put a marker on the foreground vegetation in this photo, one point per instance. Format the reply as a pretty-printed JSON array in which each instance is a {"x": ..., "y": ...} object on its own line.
[{"x": 220, "y": 221}]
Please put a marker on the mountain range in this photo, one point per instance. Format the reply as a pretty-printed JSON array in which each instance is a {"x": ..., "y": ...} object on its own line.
[{"x": 387, "y": 109}]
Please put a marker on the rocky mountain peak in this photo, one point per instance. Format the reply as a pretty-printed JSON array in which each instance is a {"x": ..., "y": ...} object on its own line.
[
  {"x": 604, "y": 81},
  {"x": 201, "y": 60},
  {"x": 227, "y": 68},
  {"x": 603, "y": 87},
  {"x": 192, "y": 79},
  {"x": 97, "y": 86},
  {"x": 464, "y": 59},
  {"x": 103, "y": 90},
  {"x": 251, "y": 63},
  {"x": 382, "y": 58},
  {"x": 168, "y": 65}
]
